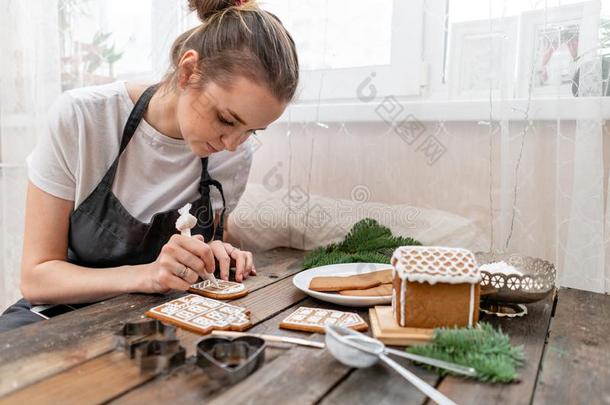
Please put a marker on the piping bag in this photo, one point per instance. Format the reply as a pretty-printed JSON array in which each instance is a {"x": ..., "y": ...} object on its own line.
[{"x": 184, "y": 224}]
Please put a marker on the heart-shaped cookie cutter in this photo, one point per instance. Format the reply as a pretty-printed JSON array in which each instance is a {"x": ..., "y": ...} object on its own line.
[{"x": 230, "y": 360}]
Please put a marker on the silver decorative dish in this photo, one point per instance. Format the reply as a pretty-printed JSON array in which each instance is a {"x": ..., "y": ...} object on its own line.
[{"x": 535, "y": 283}]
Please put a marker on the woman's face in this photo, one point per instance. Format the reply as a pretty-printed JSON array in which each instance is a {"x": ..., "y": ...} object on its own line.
[{"x": 217, "y": 117}]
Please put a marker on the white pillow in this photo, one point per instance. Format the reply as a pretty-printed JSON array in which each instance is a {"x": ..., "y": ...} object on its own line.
[{"x": 265, "y": 220}]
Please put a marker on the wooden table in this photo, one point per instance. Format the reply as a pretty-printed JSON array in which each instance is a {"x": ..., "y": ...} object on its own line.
[{"x": 70, "y": 358}]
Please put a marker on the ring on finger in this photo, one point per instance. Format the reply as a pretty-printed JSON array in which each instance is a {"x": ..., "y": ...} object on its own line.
[{"x": 182, "y": 273}]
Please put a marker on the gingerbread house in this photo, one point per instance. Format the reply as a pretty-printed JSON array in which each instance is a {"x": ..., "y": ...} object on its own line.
[{"x": 435, "y": 287}]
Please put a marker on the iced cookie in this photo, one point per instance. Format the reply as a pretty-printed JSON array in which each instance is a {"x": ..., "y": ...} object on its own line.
[
  {"x": 226, "y": 290},
  {"x": 201, "y": 315},
  {"x": 307, "y": 319}
]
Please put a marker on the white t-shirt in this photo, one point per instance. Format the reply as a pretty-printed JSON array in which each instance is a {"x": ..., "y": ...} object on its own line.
[{"x": 156, "y": 173}]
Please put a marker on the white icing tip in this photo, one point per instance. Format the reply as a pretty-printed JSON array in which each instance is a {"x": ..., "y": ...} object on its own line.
[{"x": 185, "y": 220}]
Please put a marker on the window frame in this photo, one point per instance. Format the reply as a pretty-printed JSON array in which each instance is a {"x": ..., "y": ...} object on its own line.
[{"x": 434, "y": 102}]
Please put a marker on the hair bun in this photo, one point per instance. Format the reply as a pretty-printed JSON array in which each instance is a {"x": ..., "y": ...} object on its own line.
[{"x": 207, "y": 8}]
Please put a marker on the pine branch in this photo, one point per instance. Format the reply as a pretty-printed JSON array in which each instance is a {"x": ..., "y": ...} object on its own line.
[
  {"x": 485, "y": 349},
  {"x": 368, "y": 242}
]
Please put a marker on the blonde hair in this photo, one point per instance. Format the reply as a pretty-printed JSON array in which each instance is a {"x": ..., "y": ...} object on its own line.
[{"x": 239, "y": 38}]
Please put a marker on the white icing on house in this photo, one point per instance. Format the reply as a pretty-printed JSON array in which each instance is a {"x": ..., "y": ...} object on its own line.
[
  {"x": 471, "y": 306},
  {"x": 434, "y": 264},
  {"x": 403, "y": 301},
  {"x": 500, "y": 268}
]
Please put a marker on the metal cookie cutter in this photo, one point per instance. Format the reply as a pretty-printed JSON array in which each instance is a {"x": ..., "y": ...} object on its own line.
[
  {"x": 146, "y": 329},
  {"x": 152, "y": 344},
  {"x": 230, "y": 360},
  {"x": 158, "y": 356}
]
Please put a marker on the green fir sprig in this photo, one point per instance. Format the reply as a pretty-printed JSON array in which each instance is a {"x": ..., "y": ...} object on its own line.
[
  {"x": 485, "y": 349},
  {"x": 368, "y": 242}
]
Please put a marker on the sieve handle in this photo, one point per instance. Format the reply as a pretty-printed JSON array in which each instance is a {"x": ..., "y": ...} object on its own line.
[
  {"x": 456, "y": 368},
  {"x": 420, "y": 384}
]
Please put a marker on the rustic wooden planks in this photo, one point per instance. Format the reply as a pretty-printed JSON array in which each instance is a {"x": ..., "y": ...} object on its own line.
[
  {"x": 380, "y": 385},
  {"x": 88, "y": 383},
  {"x": 576, "y": 364},
  {"x": 68, "y": 386},
  {"x": 300, "y": 376},
  {"x": 41, "y": 350},
  {"x": 304, "y": 377},
  {"x": 281, "y": 379},
  {"x": 70, "y": 367},
  {"x": 37, "y": 351},
  {"x": 191, "y": 386}
]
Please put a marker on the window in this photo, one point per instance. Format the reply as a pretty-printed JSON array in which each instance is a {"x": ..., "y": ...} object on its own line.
[
  {"x": 502, "y": 43},
  {"x": 341, "y": 44},
  {"x": 356, "y": 54},
  {"x": 105, "y": 40}
]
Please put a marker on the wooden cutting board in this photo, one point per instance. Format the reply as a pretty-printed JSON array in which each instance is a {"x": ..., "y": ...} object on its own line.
[{"x": 386, "y": 329}]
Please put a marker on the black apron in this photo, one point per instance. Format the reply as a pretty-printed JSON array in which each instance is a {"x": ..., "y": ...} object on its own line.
[{"x": 103, "y": 234}]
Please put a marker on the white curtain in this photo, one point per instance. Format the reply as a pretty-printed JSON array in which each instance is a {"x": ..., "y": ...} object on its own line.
[
  {"x": 519, "y": 164},
  {"x": 496, "y": 152},
  {"x": 29, "y": 82},
  {"x": 49, "y": 46}
]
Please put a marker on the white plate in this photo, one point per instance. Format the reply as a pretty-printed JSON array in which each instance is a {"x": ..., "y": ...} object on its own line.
[{"x": 302, "y": 279}]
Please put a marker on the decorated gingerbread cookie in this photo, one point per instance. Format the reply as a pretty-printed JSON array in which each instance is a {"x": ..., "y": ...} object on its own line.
[
  {"x": 313, "y": 320},
  {"x": 201, "y": 315},
  {"x": 226, "y": 290}
]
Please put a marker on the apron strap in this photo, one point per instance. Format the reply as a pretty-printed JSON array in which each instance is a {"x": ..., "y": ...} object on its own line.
[
  {"x": 136, "y": 115},
  {"x": 204, "y": 184}
]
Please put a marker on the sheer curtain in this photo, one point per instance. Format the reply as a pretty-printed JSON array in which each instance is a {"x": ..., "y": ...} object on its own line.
[
  {"x": 29, "y": 82},
  {"x": 504, "y": 148},
  {"x": 49, "y": 46},
  {"x": 463, "y": 123}
]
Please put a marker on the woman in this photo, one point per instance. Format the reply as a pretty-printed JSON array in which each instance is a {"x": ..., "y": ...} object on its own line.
[{"x": 117, "y": 161}]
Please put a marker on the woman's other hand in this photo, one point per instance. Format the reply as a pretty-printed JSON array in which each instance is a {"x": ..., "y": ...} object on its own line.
[{"x": 228, "y": 256}]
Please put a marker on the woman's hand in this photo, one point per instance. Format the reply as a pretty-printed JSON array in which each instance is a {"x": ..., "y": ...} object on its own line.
[
  {"x": 181, "y": 261},
  {"x": 228, "y": 255},
  {"x": 184, "y": 259}
]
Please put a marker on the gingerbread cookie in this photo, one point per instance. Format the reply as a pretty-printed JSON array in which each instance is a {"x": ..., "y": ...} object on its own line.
[
  {"x": 382, "y": 290},
  {"x": 384, "y": 276},
  {"x": 201, "y": 315},
  {"x": 307, "y": 319},
  {"x": 355, "y": 282},
  {"x": 226, "y": 290}
]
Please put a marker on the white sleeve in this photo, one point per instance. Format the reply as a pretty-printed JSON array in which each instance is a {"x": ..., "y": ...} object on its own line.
[
  {"x": 231, "y": 169},
  {"x": 53, "y": 163}
]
